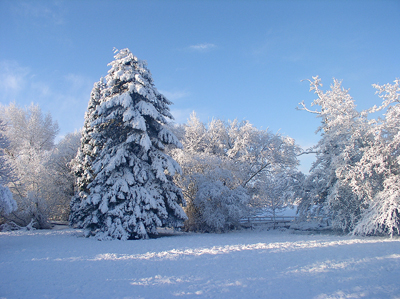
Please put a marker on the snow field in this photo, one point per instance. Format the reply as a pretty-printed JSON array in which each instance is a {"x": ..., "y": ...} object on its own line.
[{"x": 244, "y": 264}]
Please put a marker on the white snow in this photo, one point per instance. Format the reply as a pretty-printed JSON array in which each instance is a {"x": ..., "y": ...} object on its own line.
[{"x": 244, "y": 264}]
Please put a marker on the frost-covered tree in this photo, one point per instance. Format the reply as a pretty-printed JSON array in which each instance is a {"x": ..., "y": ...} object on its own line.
[
  {"x": 124, "y": 177},
  {"x": 215, "y": 199},
  {"x": 277, "y": 192},
  {"x": 327, "y": 192},
  {"x": 7, "y": 202},
  {"x": 31, "y": 135},
  {"x": 232, "y": 159},
  {"x": 355, "y": 179},
  {"x": 59, "y": 186},
  {"x": 376, "y": 177}
]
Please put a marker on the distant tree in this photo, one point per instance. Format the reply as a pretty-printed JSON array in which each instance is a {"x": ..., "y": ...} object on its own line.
[
  {"x": 215, "y": 200},
  {"x": 124, "y": 177},
  {"x": 7, "y": 203},
  {"x": 275, "y": 193},
  {"x": 224, "y": 165},
  {"x": 31, "y": 135},
  {"x": 59, "y": 186}
]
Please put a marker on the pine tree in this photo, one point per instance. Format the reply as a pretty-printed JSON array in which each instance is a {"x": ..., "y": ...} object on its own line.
[{"x": 124, "y": 177}]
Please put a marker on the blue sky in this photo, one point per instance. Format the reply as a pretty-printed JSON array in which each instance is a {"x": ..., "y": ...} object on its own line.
[{"x": 222, "y": 59}]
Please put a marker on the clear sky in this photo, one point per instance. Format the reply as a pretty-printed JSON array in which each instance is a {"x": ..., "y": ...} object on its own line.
[{"x": 222, "y": 59}]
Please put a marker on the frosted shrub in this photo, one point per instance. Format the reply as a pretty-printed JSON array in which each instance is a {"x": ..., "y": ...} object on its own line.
[{"x": 224, "y": 164}]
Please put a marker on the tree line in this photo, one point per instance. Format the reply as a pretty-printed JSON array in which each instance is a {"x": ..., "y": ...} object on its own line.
[{"x": 131, "y": 170}]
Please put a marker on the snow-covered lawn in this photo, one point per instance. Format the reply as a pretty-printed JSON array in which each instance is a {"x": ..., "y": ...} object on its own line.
[{"x": 245, "y": 264}]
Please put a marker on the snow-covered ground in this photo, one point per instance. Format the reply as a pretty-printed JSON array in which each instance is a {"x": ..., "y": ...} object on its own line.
[{"x": 244, "y": 264}]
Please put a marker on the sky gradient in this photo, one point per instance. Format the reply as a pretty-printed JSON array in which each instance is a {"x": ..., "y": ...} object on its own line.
[{"x": 222, "y": 59}]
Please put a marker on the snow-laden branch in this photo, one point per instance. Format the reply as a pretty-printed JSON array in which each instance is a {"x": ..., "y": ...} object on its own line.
[
  {"x": 257, "y": 172},
  {"x": 304, "y": 108}
]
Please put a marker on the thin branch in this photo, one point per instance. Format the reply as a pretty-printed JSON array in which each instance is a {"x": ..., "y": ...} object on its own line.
[
  {"x": 257, "y": 172},
  {"x": 306, "y": 109}
]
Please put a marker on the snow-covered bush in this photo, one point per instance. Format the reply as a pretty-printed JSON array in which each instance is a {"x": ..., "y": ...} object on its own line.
[
  {"x": 224, "y": 165},
  {"x": 215, "y": 200},
  {"x": 124, "y": 177}
]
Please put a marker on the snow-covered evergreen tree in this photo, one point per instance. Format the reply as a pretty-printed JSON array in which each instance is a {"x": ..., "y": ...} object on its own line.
[
  {"x": 82, "y": 164},
  {"x": 124, "y": 177}
]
